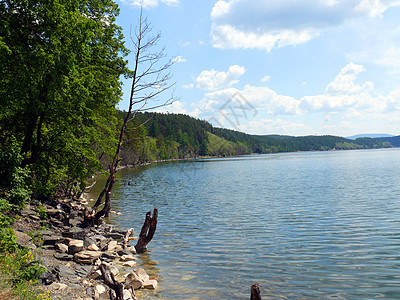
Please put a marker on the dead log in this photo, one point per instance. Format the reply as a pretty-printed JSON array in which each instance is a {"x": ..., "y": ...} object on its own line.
[
  {"x": 110, "y": 281},
  {"x": 255, "y": 292},
  {"x": 125, "y": 241},
  {"x": 147, "y": 232}
]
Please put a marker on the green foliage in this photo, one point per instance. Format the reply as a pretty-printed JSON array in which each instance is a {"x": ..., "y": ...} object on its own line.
[
  {"x": 42, "y": 211},
  {"x": 14, "y": 189},
  {"x": 61, "y": 63}
]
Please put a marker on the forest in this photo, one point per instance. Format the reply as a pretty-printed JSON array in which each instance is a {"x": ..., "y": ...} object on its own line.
[{"x": 168, "y": 136}]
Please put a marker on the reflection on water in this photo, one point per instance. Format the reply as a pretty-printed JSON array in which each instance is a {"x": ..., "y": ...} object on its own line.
[{"x": 301, "y": 225}]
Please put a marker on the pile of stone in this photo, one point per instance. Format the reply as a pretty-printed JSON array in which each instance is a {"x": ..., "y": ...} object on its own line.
[{"x": 81, "y": 251}]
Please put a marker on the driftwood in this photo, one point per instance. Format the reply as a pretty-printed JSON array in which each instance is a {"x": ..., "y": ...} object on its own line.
[
  {"x": 113, "y": 284},
  {"x": 125, "y": 241},
  {"x": 147, "y": 232},
  {"x": 255, "y": 292}
]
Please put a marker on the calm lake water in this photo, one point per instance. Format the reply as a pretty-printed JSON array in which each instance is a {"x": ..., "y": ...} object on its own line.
[{"x": 301, "y": 225}]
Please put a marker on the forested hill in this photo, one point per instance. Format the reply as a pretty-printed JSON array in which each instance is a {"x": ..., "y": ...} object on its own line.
[
  {"x": 393, "y": 140},
  {"x": 154, "y": 136}
]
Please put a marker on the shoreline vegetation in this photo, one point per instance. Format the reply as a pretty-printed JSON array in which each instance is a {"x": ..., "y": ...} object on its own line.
[{"x": 59, "y": 125}]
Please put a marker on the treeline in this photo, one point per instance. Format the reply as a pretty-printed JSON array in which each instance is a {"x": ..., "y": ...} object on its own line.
[{"x": 158, "y": 136}]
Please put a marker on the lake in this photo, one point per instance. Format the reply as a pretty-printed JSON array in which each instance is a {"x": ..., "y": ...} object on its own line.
[{"x": 301, "y": 225}]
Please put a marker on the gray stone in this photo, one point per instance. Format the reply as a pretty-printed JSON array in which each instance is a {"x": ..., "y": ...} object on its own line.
[
  {"x": 150, "y": 284},
  {"x": 65, "y": 273},
  {"x": 89, "y": 241},
  {"x": 75, "y": 233},
  {"x": 100, "y": 292},
  {"x": 24, "y": 240},
  {"x": 133, "y": 281},
  {"x": 124, "y": 252},
  {"x": 142, "y": 274},
  {"x": 56, "y": 222},
  {"x": 63, "y": 256},
  {"x": 87, "y": 256},
  {"x": 109, "y": 255},
  {"x": 83, "y": 271},
  {"x": 114, "y": 235},
  {"x": 62, "y": 248},
  {"x": 111, "y": 245},
  {"x": 52, "y": 240},
  {"x": 75, "y": 246}
]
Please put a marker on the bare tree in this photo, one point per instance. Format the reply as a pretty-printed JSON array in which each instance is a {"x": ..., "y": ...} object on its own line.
[{"x": 150, "y": 78}]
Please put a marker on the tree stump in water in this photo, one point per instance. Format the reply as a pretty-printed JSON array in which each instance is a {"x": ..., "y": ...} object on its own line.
[
  {"x": 147, "y": 232},
  {"x": 255, "y": 292}
]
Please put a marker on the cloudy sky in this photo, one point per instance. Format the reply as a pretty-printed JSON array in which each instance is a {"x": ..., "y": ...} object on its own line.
[{"x": 296, "y": 67}]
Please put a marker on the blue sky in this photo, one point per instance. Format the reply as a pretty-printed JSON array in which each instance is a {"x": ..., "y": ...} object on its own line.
[{"x": 295, "y": 67}]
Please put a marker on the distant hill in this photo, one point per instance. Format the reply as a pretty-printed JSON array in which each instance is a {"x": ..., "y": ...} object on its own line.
[
  {"x": 371, "y": 135},
  {"x": 170, "y": 136},
  {"x": 394, "y": 140}
]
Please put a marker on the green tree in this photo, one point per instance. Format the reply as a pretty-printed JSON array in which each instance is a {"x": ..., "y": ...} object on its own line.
[{"x": 61, "y": 63}]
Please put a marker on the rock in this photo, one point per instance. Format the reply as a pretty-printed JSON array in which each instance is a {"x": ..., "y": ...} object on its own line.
[
  {"x": 75, "y": 246},
  {"x": 123, "y": 251},
  {"x": 133, "y": 281},
  {"x": 64, "y": 272},
  {"x": 150, "y": 284},
  {"x": 47, "y": 278},
  {"x": 114, "y": 235},
  {"x": 75, "y": 233},
  {"x": 63, "y": 256},
  {"x": 87, "y": 256},
  {"x": 130, "y": 264},
  {"x": 56, "y": 286},
  {"x": 113, "y": 269},
  {"x": 52, "y": 240},
  {"x": 132, "y": 249},
  {"x": 82, "y": 271},
  {"x": 127, "y": 257},
  {"x": 109, "y": 255},
  {"x": 111, "y": 245},
  {"x": 75, "y": 222},
  {"x": 93, "y": 247},
  {"x": 142, "y": 274},
  {"x": 87, "y": 241},
  {"x": 56, "y": 222},
  {"x": 103, "y": 244},
  {"x": 100, "y": 292},
  {"x": 62, "y": 248},
  {"x": 128, "y": 295},
  {"x": 24, "y": 240},
  {"x": 55, "y": 213}
]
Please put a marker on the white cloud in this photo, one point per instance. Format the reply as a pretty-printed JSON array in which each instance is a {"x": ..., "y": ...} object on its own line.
[
  {"x": 264, "y": 24},
  {"x": 343, "y": 93},
  {"x": 214, "y": 80},
  {"x": 275, "y": 126},
  {"x": 188, "y": 86},
  {"x": 254, "y": 98},
  {"x": 265, "y": 78},
  {"x": 149, "y": 3},
  {"x": 178, "y": 59}
]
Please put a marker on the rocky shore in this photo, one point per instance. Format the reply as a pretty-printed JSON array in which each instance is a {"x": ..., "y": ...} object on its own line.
[{"x": 72, "y": 255}]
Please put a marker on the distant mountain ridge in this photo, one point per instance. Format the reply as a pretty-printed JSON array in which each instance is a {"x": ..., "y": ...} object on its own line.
[{"x": 370, "y": 135}]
